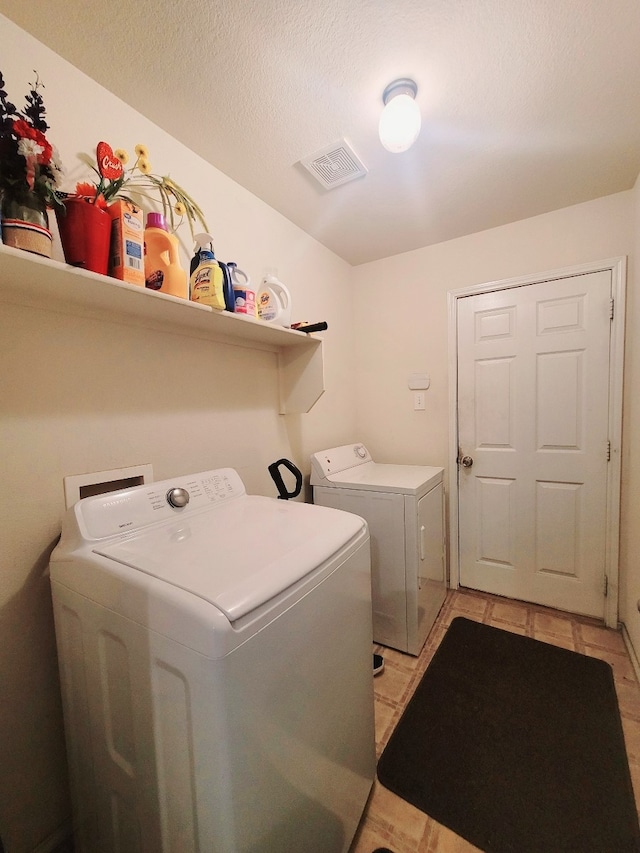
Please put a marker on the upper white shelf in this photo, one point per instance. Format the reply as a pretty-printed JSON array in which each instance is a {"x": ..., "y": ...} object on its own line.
[{"x": 34, "y": 281}]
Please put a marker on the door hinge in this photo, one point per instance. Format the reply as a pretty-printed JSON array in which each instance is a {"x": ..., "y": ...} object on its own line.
[
  {"x": 606, "y": 586},
  {"x": 608, "y": 450},
  {"x": 611, "y": 307}
]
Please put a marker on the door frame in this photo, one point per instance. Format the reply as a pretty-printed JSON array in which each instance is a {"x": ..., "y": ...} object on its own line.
[{"x": 618, "y": 268}]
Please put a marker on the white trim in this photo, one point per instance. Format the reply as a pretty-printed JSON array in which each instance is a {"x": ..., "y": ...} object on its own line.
[
  {"x": 632, "y": 652},
  {"x": 614, "y": 470},
  {"x": 618, "y": 268},
  {"x": 452, "y": 491}
]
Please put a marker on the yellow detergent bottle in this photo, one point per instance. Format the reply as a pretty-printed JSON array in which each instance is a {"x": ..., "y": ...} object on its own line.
[
  {"x": 162, "y": 270},
  {"x": 207, "y": 278}
]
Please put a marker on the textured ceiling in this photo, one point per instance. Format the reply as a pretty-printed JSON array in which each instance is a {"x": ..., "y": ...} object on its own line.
[{"x": 527, "y": 106}]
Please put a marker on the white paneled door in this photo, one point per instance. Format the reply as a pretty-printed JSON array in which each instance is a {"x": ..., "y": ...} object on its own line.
[{"x": 533, "y": 421}]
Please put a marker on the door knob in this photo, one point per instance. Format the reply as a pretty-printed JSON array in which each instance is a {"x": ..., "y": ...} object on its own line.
[{"x": 466, "y": 461}]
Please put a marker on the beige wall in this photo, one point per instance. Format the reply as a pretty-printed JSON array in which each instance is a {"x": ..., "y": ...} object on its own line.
[{"x": 81, "y": 395}]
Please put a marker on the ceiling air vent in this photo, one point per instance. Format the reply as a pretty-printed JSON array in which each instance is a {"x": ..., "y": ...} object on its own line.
[{"x": 334, "y": 165}]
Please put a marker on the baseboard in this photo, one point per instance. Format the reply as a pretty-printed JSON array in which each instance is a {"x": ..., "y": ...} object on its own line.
[
  {"x": 62, "y": 836},
  {"x": 632, "y": 652}
]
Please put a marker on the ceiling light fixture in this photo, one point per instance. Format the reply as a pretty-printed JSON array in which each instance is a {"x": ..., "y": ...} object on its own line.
[{"x": 400, "y": 120}]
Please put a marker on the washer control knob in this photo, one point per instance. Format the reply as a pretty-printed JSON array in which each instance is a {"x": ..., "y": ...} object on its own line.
[
  {"x": 177, "y": 497},
  {"x": 360, "y": 451}
]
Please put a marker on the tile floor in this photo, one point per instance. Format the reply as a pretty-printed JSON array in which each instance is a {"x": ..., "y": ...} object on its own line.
[{"x": 391, "y": 822}]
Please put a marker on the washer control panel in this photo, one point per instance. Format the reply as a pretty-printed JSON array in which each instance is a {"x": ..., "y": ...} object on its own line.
[
  {"x": 177, "y": 497},
  {"x": 128, "y": 510}
]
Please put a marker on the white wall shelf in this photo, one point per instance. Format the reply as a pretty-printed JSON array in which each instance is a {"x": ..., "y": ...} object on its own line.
[{"x": 30, "y": 280}]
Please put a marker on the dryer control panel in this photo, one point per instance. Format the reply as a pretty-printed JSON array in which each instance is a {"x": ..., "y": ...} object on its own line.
[
  {"x": 338, "y": 459},
  {"x": 131, "y": 509}
]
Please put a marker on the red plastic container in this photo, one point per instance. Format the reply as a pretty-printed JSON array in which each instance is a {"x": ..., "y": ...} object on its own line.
[{"x": 85, "y": 234}]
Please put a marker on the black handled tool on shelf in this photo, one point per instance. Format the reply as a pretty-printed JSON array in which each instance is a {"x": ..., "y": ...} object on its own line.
[{"x": 310, "y": 327}]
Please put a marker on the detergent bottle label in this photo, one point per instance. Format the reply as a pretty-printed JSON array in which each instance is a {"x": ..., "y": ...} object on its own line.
[
  {"x": 245, "y": 301},
  {"x": 267, "y": 308},
  {"x": 155, "y": 280},
  {"x": 206, "y": 286}
]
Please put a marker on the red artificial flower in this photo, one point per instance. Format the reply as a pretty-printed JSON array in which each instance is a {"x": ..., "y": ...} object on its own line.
[
  {"x": 88, "y": 191},
  {"x": 25, "y": 131}
]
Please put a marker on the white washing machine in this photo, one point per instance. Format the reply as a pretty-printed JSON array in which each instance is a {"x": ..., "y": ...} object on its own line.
[
  {"x": 404, "y": 508},
  {"x": 215, "y": 660}
]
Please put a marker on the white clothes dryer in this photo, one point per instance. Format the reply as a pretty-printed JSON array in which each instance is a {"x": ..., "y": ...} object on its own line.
[
  {"x": 404, "y": 508},
  {"x": 215, "y": 661}
]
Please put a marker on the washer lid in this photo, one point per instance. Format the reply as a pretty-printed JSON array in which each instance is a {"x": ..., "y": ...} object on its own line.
[
  {"x": 239, "y": 555},
  {"x": 382, "y": 477}
]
